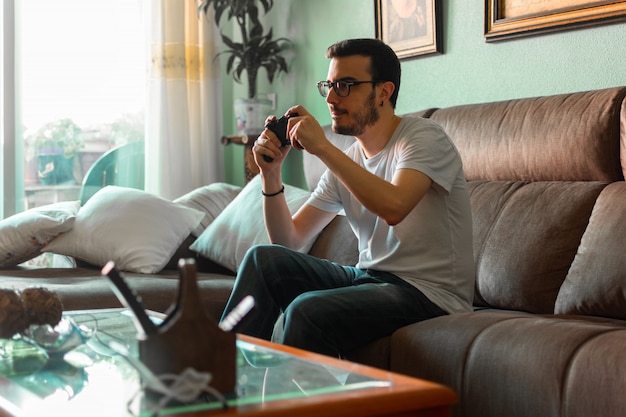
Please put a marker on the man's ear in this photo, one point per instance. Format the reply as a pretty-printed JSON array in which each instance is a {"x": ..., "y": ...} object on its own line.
[{"x": 387, "y": 90}]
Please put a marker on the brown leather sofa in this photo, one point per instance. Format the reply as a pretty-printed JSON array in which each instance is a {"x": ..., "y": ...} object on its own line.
[
  {"x": 548, "y": 334},
  {"x": 548, "y": 197}
]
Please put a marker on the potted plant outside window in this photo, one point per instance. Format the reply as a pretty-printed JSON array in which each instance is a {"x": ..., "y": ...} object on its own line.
[
  {"x": 257, "y": 49},
  {"x": 55, "y": 146}
]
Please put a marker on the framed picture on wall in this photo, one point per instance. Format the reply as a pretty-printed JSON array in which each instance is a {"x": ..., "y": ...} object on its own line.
[
  {"x": 514, "y": 18},
  {"x": 410, "y": 27}
]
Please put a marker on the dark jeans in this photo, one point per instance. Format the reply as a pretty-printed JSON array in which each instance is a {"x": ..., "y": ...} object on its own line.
[{"x": 328, "y": 308}]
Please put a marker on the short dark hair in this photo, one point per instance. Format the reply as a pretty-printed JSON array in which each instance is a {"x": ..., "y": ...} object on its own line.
[{"x": 385, "y": 65}]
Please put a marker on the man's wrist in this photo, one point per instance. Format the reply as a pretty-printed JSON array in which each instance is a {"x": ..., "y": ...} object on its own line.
[{"x": 282, "y": 190}]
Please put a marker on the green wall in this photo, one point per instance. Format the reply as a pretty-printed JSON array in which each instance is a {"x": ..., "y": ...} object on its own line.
[{"x": 469, "y": 71}]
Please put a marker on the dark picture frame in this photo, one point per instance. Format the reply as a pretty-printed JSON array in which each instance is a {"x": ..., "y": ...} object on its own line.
[
  {"x": 411, "y": 27},
  {"x": 505, "y": 19}
]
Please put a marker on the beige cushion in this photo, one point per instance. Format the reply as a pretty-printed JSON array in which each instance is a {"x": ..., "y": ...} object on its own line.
[
  {"x": 241, "y": 225},
  {"x": 596, "y": 282},
  {"x": 23, "y": 235},
  {"x": 211, "y": 200},
  {"x": 138, "y": 231}
]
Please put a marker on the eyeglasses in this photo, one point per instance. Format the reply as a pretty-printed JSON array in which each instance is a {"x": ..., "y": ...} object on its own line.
[{"x": 341, "y": 88}]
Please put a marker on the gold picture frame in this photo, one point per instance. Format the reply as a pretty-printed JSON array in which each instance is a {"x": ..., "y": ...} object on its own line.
[
  {"x": 506, "y": 19},
  {"x": 411, "y": 27}
]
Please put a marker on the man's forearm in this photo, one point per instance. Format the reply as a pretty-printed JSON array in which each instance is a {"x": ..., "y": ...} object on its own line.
[
  {"x": 278, "y": 222},
  {"x": 389, "y": 200}
]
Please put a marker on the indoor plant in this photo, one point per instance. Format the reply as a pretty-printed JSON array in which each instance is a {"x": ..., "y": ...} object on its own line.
[{"x": 256, "y": 49}]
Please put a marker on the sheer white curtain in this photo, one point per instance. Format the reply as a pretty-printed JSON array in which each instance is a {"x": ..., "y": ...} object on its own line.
[{"x": 184, "y": 111}]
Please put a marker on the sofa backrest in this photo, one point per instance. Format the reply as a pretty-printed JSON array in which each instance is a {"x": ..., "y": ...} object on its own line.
[
  {"x": 535, "y": 168},
  {"x": 566, "y": 137}
]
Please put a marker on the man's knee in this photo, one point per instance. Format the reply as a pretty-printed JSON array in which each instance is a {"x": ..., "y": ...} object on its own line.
[
  {"x": 307, "y": 325},
  {"x": 257, "y": 252},
  {"x": 258, "y": 257},
  {"x": 307, "y": 310}
]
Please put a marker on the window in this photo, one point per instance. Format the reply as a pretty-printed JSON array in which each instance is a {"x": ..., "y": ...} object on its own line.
[{"x": 80, "y": 91}]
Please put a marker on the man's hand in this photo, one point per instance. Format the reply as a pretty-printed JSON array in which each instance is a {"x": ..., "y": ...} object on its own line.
[
  {"x": 305, "y": 132},
  {"x": 268, "y": 151}
]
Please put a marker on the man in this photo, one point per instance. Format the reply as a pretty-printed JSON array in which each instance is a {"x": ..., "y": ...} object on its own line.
[{"x": 402, "y": 187}]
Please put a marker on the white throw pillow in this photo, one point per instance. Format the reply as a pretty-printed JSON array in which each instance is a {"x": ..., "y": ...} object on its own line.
[
  {"x": 23, "y": 235},
  {"x": 211, "y": 200},
  {"x": 138, "y": 231},
  {"x": 241, "y": 225}
]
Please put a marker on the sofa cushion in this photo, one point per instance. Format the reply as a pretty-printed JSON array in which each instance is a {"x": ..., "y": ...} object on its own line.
[
  {"x": 566, "y": 137},
  {"x": 437, "y": 349},
  {"x": 23, "y": 235},
  {"x": 503, "y": 361},
  {"x": 596, "y": 282},
  {"x": 525, "y": 238},
  {"x": 595, "y": 382},
  {"x": 211, "y": 199},
  {"x": 241, "y": 225},
  {"x": 487, "y": 202},
  {"x": 138, "y": 231}
]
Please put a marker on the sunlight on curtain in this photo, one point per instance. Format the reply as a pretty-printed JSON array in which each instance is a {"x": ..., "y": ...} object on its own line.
[{"x": 184, "y": 118}]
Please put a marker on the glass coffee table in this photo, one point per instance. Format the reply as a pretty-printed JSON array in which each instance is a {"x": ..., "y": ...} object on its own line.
[{"x": 272, "y": 380}]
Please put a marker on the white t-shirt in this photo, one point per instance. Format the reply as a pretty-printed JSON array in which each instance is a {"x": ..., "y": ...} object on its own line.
[{"x": 432, "y": 247}]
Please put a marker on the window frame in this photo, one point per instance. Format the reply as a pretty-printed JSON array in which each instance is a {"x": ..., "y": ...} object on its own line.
[{"x": 11, "y": 185}]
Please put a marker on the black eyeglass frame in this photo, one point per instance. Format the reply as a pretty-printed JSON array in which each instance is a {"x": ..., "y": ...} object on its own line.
[{"x": 326, "y": 85}]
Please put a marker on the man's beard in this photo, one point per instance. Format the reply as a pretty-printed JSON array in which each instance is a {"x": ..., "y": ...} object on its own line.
[{"x": 367, "y": 117}]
